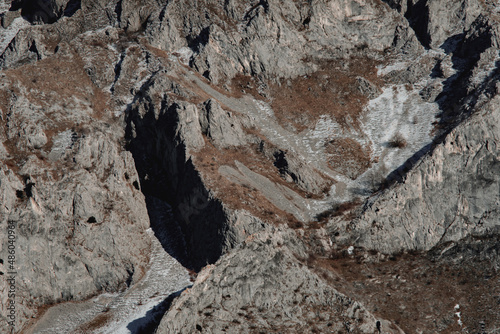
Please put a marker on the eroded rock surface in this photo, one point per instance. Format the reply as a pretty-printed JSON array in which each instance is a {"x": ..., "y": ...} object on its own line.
[{"x": 284, "y": 150}]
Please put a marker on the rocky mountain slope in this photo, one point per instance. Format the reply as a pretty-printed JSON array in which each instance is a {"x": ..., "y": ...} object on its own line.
[{"x": 247, "y": 167}]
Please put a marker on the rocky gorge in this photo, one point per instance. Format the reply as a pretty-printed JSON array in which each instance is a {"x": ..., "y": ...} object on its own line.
[{"x": 249, "y": 166}]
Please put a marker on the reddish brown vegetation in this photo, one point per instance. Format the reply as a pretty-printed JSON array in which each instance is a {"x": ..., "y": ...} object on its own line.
[
  {"x": 348, "y": 157},
  {"x": 347, "y": 209},
  {"x": 237, "y": 196},
  {"x": 413, "y": 291},
  {"x": 332, "y": 90},
  {"x": 98, "y": 322},
  {"x": 245, "y": 84},
  {"x": 398, "y": 141}
]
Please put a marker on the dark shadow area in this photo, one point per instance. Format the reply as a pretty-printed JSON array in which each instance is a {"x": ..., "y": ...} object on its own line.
[
  {"x": 16, "y": 5},
  {"x": 417, "y": 15},
  {"x": 167, "y": 230},
  {"x": 196, "y": 43},
  {"x": 179, "y": 206},
  {"x": 150, "y": 322},
  {"x": 118, "y": 11},
  {"x": 72, "y": 7},
  {"x": 455, "y": 101},
  {"x": 437, "y": 71},
  {"x": 44, "y": 12},
  {"x": 399, "y": 173}
]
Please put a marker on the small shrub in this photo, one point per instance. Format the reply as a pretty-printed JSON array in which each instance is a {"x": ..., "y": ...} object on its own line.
[{"x": 398, "y": 140}]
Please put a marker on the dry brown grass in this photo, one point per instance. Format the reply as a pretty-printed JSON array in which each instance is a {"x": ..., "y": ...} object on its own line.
[
  {"x": 244, "y": 84},
  {"x": 414, "y": 292},
  {"x": 348, "y": 157},
  {"x": 54, "y": 80},
  {"x": 347, "y": 209},
  {"x": 159, "y": 53},
  {"x": 332, "y": 90},
  {"x": 96, "y": 323},
  {"x": 236, "y": 196},
  {"x": 398, "y": 141}
]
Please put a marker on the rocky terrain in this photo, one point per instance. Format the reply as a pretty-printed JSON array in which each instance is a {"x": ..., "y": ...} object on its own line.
[{"x": 249, "y": 166}]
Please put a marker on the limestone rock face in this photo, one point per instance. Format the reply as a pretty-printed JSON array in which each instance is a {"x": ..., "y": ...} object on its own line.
[
  {"x": 434, "y": 21},
  {"x": 220, "y": 126},
  {"x": 69, "y": 189},
  {"x": 78, "y": 233},
  {"x": 273, "y": 293},
  {"x": 318, "y": 166},
  {"x": 261, "y": 38},
  {"x": 451, "y": 194}
]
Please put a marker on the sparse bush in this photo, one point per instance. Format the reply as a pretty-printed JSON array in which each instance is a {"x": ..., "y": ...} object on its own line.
[
  {"x": 339, "y": 209},
  {"x": 398, "y": 140}
]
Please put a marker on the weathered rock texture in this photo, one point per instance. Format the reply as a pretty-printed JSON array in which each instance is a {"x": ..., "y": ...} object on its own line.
[
  {"x": 452, "y": 193},
  {"x": 274, "y": 293},
  {"x": 299, "y": 145}
]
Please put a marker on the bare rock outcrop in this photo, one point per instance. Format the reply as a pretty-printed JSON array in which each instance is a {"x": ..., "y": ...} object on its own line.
[
  {"x": 451, "y": 194},
  {"x": 434, "y": 21},
  {"x": 220, "y": 126},
  {"x": 70, "y": 191},
  {"x": 294, "y": 149},
  {"x": 260, "y": 286},
  {"x": 261, "y": 40}
]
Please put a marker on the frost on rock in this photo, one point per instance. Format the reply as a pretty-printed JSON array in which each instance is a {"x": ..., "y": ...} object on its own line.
[
  {"x": 126, "y": 312},
  {"x": 398, "y": 110}
]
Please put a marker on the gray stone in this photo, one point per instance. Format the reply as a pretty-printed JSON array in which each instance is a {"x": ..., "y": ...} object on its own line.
[
  {"x": 220, "y": 126},
  {"x": 260, "y": 286},
  {"x": 106, "y": 105}
]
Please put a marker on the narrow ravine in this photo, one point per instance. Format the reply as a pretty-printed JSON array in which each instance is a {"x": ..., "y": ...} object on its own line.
[{"x": 133, "y": 311}]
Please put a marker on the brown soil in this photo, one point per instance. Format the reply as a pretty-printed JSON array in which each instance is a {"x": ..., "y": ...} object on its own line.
[
  {"x": 415, "y": 292},
  {"x": 99, "y": 321},
  {"x": 57, "y": 79},
  {"x": 236, "y": 196},
  {"x": 348, "y": 157},
  {"x": 245, "y": 84},
  {"x": 332, "y": 90}
]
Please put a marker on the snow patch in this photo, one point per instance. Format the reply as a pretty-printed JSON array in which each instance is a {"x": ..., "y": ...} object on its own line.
[
  {"x": 398, "y": 111},
  {"x": 162, "y": 279},
  {"x": 350, "y": 250},
  {"x": 127, "y": 310},
  {"x": 458, "y": 314},
  {"x": 384, "y": 70}
]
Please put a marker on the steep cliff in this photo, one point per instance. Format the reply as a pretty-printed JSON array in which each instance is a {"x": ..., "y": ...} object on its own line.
[{"x": 313, "y": 164}]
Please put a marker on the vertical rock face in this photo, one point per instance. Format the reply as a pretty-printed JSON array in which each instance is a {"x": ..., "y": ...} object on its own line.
[
  {"x": 452, "y": 193},
  {"x": 70, "y": 190},
  {"x": 45, "y": 11},
  {"x": 303, "y": 154},
  {"x": 434, "y": 21}
]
